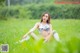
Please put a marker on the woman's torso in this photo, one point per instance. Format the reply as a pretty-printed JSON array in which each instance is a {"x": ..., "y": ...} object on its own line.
[{"x": 44, "y": 29}]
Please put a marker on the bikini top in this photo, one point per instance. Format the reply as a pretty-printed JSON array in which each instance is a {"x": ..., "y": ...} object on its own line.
[{"x": 45, "y": 27}]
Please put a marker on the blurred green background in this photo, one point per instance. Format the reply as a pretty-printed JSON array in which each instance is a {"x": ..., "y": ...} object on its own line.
[
  {"x": 32, "y": 9},
  {"x": 18, "y": 16}
]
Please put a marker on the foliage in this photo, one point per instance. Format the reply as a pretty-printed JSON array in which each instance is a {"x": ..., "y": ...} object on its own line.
[
  {"x": 12, "y": 31},
  {"x": 34, "y": 11}
]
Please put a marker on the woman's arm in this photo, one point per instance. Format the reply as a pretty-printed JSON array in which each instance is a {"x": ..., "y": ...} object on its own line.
[
  {"x": 31, "y": 30},
  {"x": 48, "y": 37}
]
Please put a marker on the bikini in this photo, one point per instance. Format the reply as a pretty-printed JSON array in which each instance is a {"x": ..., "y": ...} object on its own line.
[{"x": 45, "y": 27}]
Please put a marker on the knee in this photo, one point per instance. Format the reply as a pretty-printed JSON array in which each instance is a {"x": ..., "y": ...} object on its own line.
[
  {"x": 31, "y": 33},
  {"x": 54, "y": 31}
]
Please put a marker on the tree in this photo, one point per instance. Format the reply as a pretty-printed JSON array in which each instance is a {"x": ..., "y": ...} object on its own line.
[{"x": 1, "y": 2}]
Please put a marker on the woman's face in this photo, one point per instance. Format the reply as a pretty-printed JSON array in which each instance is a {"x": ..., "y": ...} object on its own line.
[{"x": 45, "y": 17}]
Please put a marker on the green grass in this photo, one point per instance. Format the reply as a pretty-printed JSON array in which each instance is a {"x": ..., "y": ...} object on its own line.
[{"x": 12, "y": 30}]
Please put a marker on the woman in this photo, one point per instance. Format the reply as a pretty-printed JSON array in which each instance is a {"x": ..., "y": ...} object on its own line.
[{"x": 45, "y": 29}]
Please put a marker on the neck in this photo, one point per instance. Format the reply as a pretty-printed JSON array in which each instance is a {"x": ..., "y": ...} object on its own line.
[{"x": 44, "y": 22}]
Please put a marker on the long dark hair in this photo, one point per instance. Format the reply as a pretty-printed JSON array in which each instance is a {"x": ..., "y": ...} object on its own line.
[{"x": 48, "y": 21}]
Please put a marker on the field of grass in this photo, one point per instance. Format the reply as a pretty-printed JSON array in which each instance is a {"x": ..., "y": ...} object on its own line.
[{"x": 12, "y": 30}]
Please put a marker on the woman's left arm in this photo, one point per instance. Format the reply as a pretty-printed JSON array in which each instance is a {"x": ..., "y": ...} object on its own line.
[{"x": 48, "y": 37}]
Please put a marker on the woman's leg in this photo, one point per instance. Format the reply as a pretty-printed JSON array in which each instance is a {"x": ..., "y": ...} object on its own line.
[
  {"x": 56, "y": 36},
  {"x": 34, "y": 36},
  {"x": 28, "y": 37}
]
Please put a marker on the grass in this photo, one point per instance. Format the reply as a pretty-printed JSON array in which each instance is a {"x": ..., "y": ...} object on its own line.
[{"x": 12, "y": 30}]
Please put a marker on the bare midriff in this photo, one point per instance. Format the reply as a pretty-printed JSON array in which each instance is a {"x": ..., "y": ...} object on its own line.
[{"x": 45, "y": 34}]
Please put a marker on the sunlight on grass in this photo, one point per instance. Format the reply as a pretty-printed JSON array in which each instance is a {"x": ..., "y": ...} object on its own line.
[{"x": 12, "y": 31}]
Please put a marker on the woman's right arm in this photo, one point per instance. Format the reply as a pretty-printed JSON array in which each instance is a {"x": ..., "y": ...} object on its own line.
[{"x": 31, "y": 30}]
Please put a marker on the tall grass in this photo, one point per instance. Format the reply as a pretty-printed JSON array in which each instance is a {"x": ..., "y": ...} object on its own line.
[{"x": 12, "y": 30}]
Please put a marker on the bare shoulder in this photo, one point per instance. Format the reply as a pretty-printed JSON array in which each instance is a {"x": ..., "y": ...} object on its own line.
[{"x": 38, "y": 23}]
